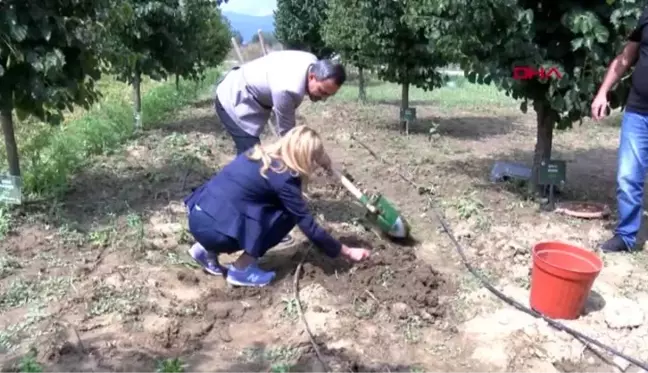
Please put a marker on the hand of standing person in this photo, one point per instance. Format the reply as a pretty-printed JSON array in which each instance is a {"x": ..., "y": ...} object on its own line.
[
  {"x": 619, "y": 65},
  {"x": 355, "y": 254},
  {"x": 600, "y": 106}
]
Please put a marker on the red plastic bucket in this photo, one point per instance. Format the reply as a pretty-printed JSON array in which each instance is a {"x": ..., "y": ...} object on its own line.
[{"x": 562, "y": 278}]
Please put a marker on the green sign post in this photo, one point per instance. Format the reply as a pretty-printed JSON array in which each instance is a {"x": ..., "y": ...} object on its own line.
[
  {"x": 552, "y": 173},
  {"x": 10, "y": 189},
  {"x": 407, "y": 117}
]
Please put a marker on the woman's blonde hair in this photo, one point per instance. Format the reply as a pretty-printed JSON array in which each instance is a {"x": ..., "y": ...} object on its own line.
[{"x": 300, "y": 151}]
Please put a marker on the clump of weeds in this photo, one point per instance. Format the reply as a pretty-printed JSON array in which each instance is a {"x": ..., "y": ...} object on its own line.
[{"x": 170, "y": 366}]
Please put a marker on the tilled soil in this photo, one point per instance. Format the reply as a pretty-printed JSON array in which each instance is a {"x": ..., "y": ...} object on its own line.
[
  {"x": 392, "y": 275},
  {"x": 393, "y": 280},
  {"x": 133, "y": 302},
  {"x": 339, "y": 360}
]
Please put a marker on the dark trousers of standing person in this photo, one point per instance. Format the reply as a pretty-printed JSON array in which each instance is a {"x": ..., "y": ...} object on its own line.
[{"x": 242, "y": 140}]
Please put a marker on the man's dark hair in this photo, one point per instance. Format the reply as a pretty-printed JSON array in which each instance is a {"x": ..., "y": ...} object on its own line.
[{"x": 327, "y": 69}]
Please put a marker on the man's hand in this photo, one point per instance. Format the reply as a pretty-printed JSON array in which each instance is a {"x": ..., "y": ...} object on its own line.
[
  {"x": 599, "y": 106},
  {"x": 355, "y": 254},
  {"x": 619, "y": 65}
]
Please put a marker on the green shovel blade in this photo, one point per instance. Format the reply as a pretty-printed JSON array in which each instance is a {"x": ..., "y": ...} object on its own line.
[{"x": 389, "y": 219}]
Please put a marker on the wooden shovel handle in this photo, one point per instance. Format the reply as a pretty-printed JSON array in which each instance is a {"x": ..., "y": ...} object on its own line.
[{"x": 352, "y": 188}]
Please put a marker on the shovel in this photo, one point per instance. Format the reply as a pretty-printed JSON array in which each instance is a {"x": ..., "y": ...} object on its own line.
[{"x": 381, "y": 211}]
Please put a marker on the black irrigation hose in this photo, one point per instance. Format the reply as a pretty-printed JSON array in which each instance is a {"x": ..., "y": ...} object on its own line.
[
  {"x": 558, "y": 325},
  {"x": 512, "y": 302}
]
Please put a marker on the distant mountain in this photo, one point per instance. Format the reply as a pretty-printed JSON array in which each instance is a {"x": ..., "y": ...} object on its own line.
[{"x": 248, "y": 25}]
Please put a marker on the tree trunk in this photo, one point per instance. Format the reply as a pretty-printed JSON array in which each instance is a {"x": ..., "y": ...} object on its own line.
[
  {"x": 362, "y": 92},
  {"x": 177, "y": 82},
  {"x": 10, "y": 141},
  {"x": 545, "y": 120},
  {"x": 137, "y": 98},
  {"x": 404, "y": 105}
]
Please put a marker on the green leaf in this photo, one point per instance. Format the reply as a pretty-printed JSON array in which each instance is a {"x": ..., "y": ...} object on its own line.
[
  {"x": 601, "y": 34},
  {"x": 558, "y": 103},
  {"x": 299, "y": 24},
  {"x": 46, "y": 30},
  {"x": 51, "y": 52},
  {"x": 18, "y": 32},
  {"x": 577, "y": 44},
  {"x": 568, "y": 102},
  {"x": 589, "y": 42}
]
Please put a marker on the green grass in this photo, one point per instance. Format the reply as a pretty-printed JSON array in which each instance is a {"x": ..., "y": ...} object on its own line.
[
  {"x": 4, "y": 221},
  {"x": 28, "y": 364},
  {"x": 458, "y": 94},
  {"x": 32, "y": 135},
  {"x": 170, "y": 366},
  {"x": 22, "y": 291},
  {"x": 49, "y": 155},
  {"x": 280, "y": 356}
]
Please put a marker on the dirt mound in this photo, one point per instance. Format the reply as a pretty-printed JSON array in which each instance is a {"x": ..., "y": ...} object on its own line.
[
  {"x": 393, "y": 277},
  {"x": 305, "y": 360},
  {"x": 590, "y": 363},
  {"x": 341, "y": 360}
]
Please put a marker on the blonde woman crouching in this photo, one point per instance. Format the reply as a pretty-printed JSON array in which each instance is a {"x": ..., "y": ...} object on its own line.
[{"x": 255, "y": 201}]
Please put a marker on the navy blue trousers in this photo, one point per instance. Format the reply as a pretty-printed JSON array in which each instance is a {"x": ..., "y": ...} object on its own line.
[{"x": 201, "y": 227}]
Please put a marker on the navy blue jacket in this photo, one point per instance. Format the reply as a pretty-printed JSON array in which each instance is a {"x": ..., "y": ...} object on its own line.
[{"x": 258, "y": 212}]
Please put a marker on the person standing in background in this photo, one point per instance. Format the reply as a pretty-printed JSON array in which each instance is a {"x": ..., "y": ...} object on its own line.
[{"x": 633, "y": 148}]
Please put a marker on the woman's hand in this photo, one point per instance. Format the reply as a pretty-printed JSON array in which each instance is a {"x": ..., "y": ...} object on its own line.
[{"x": 355, "y": 254}]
